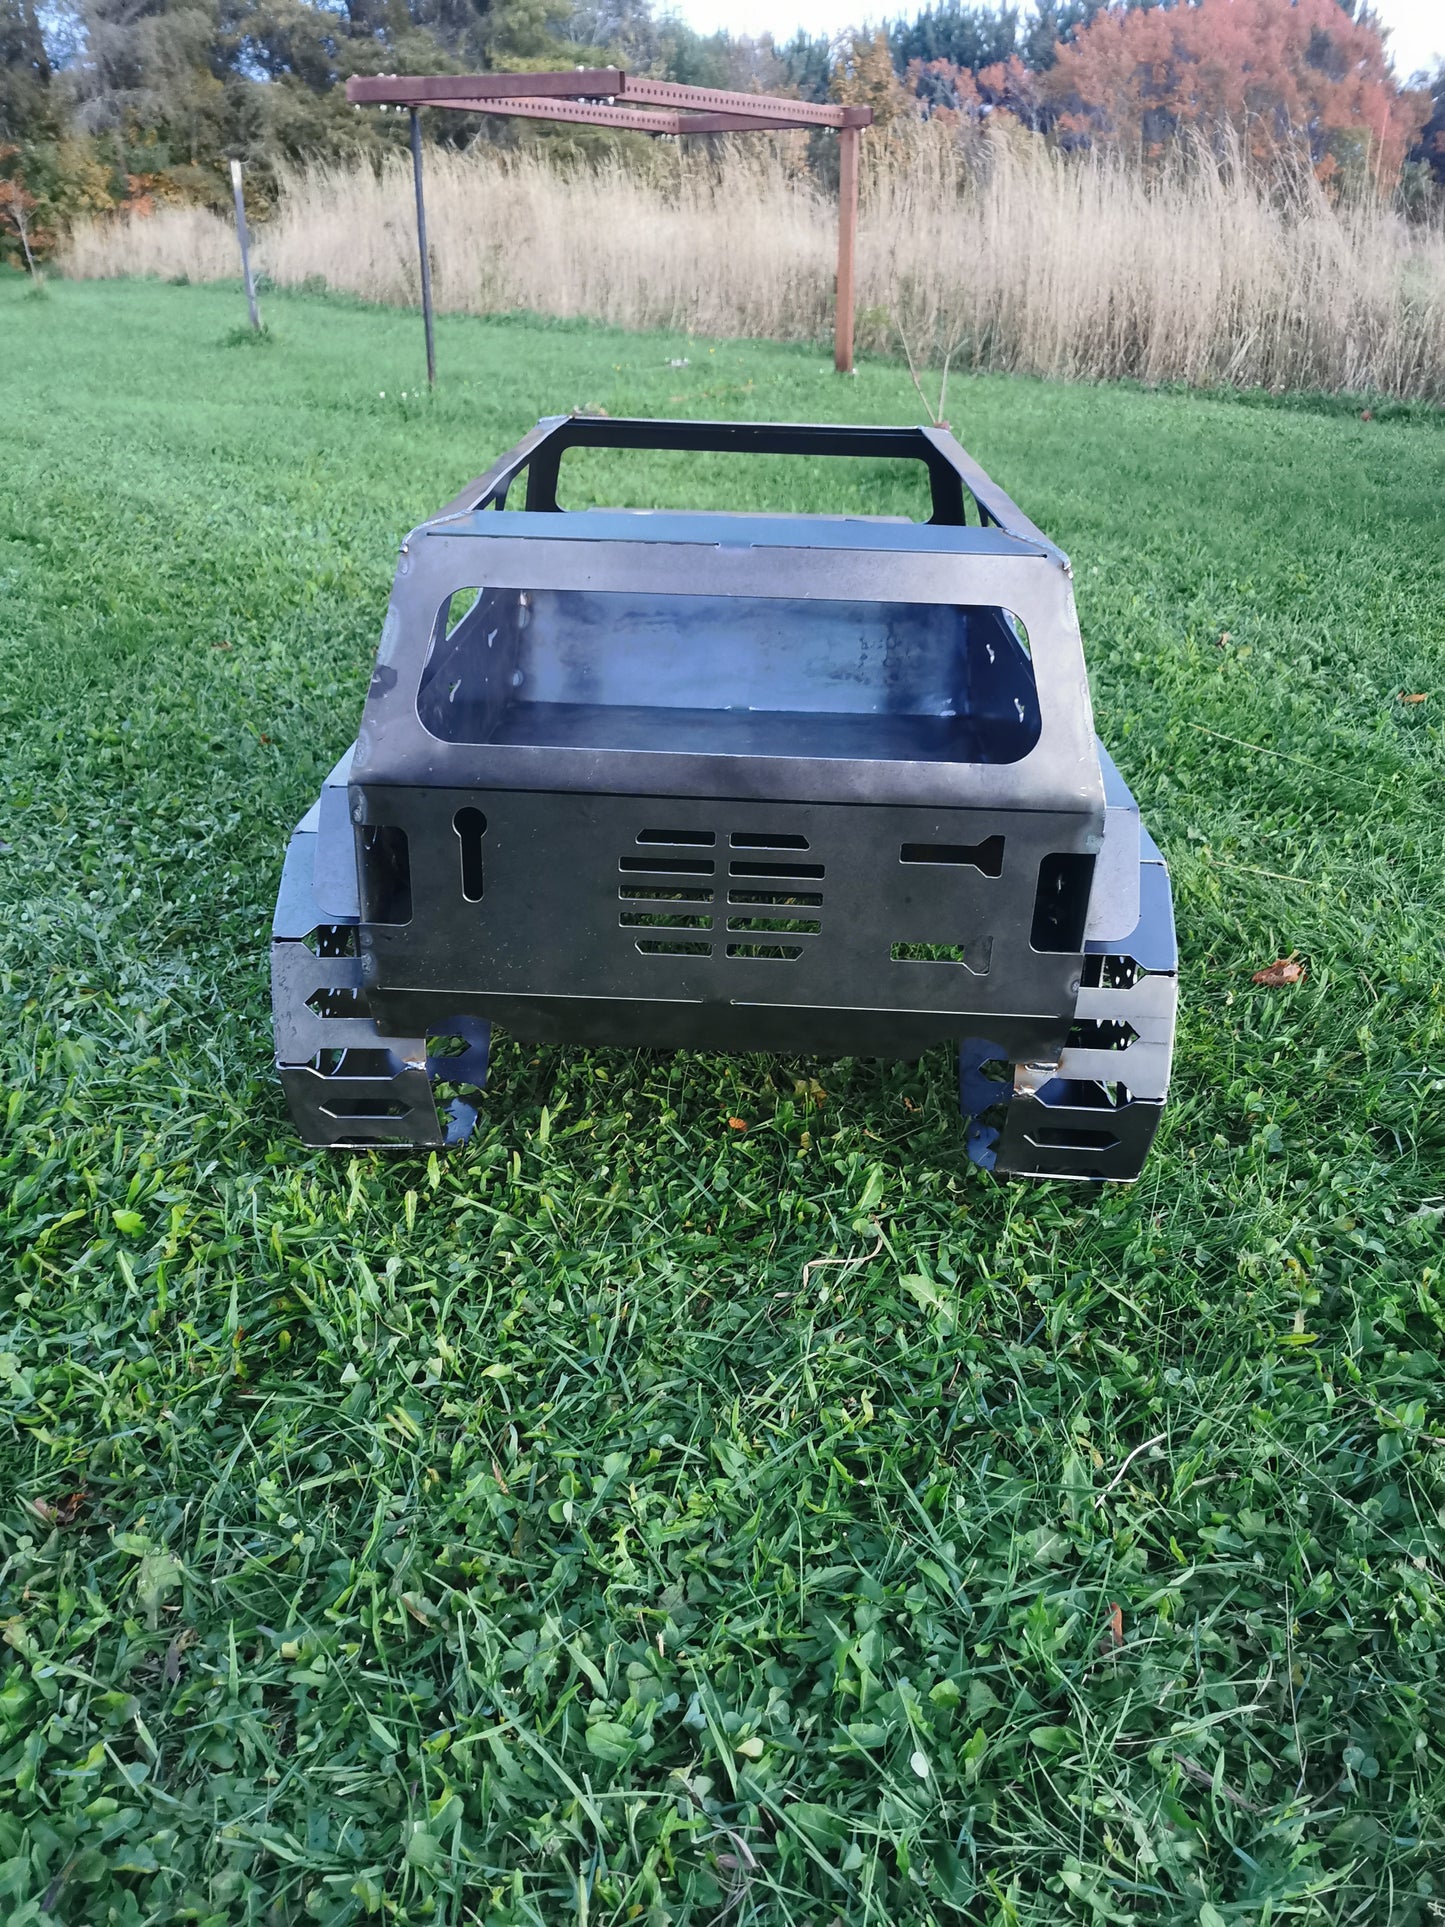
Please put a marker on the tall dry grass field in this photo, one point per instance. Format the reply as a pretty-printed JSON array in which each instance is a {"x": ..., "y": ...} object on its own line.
[{"x": 1015, "y": 256}]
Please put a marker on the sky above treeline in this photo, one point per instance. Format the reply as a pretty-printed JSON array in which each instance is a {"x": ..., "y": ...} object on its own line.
[{"x": 1417, "y": 27}]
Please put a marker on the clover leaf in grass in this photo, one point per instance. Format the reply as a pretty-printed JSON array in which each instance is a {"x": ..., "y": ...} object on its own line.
[
  {"x": 611, "y": 1742},
  {"x": 820, "y": 1826},
  {"x": 1050, "y": 1739},
  {"x": 423, "y": 1849},
  {"x": 157, "y": 1576}
]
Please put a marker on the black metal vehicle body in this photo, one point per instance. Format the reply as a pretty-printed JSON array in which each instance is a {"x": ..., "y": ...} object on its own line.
[{"x": 809, "y": 784}]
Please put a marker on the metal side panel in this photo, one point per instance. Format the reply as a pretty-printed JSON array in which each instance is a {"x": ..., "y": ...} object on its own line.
[
  {"x": 1094, "y": 1112},
  {"x": 317, "y": 1004},
  {"x": 1124, "y": 1035},
  {"x": 1043, "y": 1140},
  {"x": 1151, "y": 943},
  {"x": 1114, "y": 899},
  {"x": 347, "y": 1083},
  {"x": 729, "y": 908},
  {"x": 337, "y": 1110},
  {"x": 334, "y": 881}
]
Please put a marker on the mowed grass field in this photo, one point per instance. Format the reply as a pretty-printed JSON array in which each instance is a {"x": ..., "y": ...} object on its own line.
[{"x": 532, "y": 1533}]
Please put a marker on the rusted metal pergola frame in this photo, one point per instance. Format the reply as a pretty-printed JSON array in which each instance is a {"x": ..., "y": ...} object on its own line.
[{"x": 607, "y": 97}]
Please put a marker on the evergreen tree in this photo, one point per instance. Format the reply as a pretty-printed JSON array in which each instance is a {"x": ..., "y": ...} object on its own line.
[
  {"x": 965, "y": 35},
  {"x": 1430, "y": 149},
  {"x": 807, "y": 64},
  {"x": 1059, "y": 20},
  {"x": 27, "y": 104}
]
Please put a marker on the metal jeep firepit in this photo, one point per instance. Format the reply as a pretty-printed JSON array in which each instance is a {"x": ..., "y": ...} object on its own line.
[{"x": 813, "y": 784}]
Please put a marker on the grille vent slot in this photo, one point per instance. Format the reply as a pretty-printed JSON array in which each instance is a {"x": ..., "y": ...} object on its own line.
[
  {"x": 673, "y": 839},
  {"x": 985, "y": 857},
  {"x": 667, "y": 891}
]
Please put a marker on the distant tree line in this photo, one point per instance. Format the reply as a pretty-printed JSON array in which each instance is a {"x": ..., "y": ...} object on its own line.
[{"x": 134, "y": 103}]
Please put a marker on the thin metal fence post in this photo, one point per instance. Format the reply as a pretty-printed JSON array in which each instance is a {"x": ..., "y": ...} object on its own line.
[
  {"x": 244, "y": 238},
  {"x": 847, "y": 246},
  {"x": 431, "y": 351}
]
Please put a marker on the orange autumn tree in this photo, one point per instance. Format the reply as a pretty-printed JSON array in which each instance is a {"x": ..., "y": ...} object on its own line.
[
  {"x": 19, "y": 210},
  {"x": 1277, "y": 74}
]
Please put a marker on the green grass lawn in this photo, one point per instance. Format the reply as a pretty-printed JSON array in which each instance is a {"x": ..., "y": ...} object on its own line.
[{"x": 527, "y": 1534}]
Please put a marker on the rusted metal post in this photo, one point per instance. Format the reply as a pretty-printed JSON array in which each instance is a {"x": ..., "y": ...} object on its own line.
[
  {"x": 245, "y": 241},
  {"x": 847, "y": 245},
  {"x": 431, "y": 348}
]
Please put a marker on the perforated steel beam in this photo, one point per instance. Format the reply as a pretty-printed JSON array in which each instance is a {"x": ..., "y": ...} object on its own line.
[
  {"x": 597, "y": 91},
  {"x": 413, "y": 90},
  {"x": 609, "y": 97},
  {"x": 588, "y": 114},
  {"x": 786, "y": 113}
]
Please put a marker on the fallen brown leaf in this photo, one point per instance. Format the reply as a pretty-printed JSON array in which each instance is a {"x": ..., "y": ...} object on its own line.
[
  {"x": 1419, "y": 696},
  {"x": 737, "y": 1124},
  {"x": 187, "y": 1636},
  {"x": 1116, "y": 1624},
  {"x": 63, "y": 1512},
  {"x": 1285, "y": 970}
]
